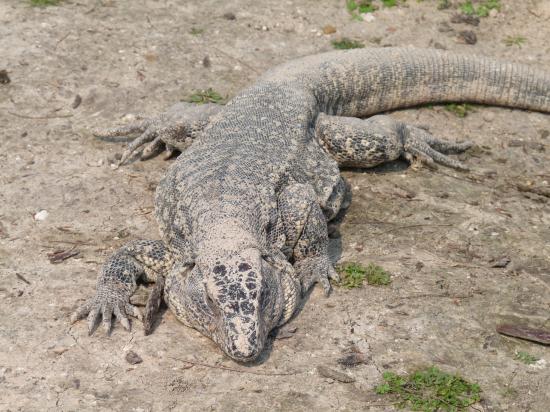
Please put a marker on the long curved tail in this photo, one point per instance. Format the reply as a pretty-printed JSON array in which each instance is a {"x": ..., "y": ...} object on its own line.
[{"x": 367, "y": 81}]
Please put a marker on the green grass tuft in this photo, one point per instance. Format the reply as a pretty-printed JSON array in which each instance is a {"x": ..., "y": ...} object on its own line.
[
  {"x": 206, "y": 96},
  {"x": 526, "y": 358},
  {"x": 460, "y": 110},
  {"x": 196, "y": 31},
  {"x": 44, "y": 3},
  {"x": 389, "y": 3},
  {"x": 514, "y": 41},
  {"x": 430, "y": 390},
  {"x": 353, "y": 275},
  {"x": 345, "y": 43},
  {"x": 358, "y": 7},
  {"x": 377, "y": 276},
  {"x": 480, "y": 8},
  {"x": 443, "y": 4}
]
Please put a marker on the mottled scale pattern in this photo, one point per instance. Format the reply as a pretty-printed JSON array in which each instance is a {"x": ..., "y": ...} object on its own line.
[{"x": 243, "y": 211}]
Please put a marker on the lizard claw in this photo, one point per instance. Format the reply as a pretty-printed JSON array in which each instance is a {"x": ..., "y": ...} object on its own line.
[
  {"x": 177, "y": 127},
  {"x": 420, "y": 146},
  {"x": 96, "y": 307},
  {"x": 154, "y": 133},
  {"x": 316, "y": 270}
]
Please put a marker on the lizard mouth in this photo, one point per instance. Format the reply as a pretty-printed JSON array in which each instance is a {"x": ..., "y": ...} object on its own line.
[{"x": 244, "y": 347}]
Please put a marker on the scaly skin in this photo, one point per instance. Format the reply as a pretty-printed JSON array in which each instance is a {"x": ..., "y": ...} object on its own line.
[{"x": 257, "y": 186}]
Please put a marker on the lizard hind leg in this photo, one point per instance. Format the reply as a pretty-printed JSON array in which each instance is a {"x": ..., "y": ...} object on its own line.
[
  {"x": 117, "y": 281},
  {"x": 366, "y": 143}
]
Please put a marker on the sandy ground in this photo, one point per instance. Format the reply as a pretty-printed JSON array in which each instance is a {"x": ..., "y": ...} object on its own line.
[{"x": 438, "y": 232}]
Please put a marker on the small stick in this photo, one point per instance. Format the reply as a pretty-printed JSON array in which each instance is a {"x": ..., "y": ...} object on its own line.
[
  {"x": 435, "y": 295},
  {"x": 227, "y": 368},
  {"x": 410, "y": 227},
  {"x": 21, "y": 277},
  {"x": 60, "y": 116},
  {"x": 61, "y": 39},
  {"x": 237, "y": 60}
]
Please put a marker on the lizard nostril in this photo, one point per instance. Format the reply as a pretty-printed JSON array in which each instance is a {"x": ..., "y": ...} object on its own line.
[{"x": 209, "y": 300}]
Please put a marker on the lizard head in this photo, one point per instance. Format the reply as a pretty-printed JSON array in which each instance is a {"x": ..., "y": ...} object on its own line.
[{"x": 245, "y": 298}]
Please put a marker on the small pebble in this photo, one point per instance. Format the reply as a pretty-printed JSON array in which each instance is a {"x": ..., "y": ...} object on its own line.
[
  {"x": 133, "y": 358},
  {"x": 60, "y": 350},
  {"x": 368, "y": 17},
  {"x": 329, "y": 29},
  {"x": 229, "y": 16},
  {"x": 4, "y": 78},
  {"x": 468, "y": 36},
  {"x": 42, "y": 215},
  {"x": 76, "y": 102}
]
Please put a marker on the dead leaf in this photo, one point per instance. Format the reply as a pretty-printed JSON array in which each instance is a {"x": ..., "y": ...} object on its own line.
[
  {"x": 352, "y": 359},
  {"x": 500, "y": 263},
  {"x": 60, "y": 255},
  {"x": 327, "y": 372}
]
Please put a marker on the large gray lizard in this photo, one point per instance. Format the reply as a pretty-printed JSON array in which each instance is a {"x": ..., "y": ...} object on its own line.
[{"x": 243, "y": 211}]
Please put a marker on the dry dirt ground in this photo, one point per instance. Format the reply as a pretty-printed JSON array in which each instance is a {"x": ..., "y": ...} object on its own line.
[{"x": 438, "y": 232}]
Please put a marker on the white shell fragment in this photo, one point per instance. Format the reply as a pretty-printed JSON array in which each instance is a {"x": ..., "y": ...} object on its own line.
[{"x": 42, "y": 215}]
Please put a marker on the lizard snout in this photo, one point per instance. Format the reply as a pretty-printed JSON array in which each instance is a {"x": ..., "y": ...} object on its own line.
[{"x": 244, "y": 341}]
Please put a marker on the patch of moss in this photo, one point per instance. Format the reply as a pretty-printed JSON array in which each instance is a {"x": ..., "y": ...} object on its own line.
[
  {"x": 526, "y": 358},
  {"x": 346, "y": 43},
  {"x": 196, "y": 31},
  {"x": 430, "y": 390},
  {"x": 460, "y": 110},
  {"x": 44, "y": 3}
]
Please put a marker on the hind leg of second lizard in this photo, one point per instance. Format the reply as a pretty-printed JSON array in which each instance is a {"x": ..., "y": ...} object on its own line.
[
  {"x": 176, "y": 128},
  {"x": 367, "y": 143},
  {"x": 142, "y": 259}
]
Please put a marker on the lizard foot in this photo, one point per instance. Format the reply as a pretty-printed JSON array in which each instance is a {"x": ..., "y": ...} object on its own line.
[
  {"x": 174, "y": 129},
  {"x": 421, "y": 146},
  {"x": 316, "y": 269},
  {"x": 154, "y": 134},
  {"x": 106, "y": 304}
]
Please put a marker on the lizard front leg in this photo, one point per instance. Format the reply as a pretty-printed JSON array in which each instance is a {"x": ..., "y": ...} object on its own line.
[
  {"x": 142, "y": 259},
  {"x": 176, "y": 128},
  {"x": 306, "y": 233},
  {"x": 367, "y": 143}
]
